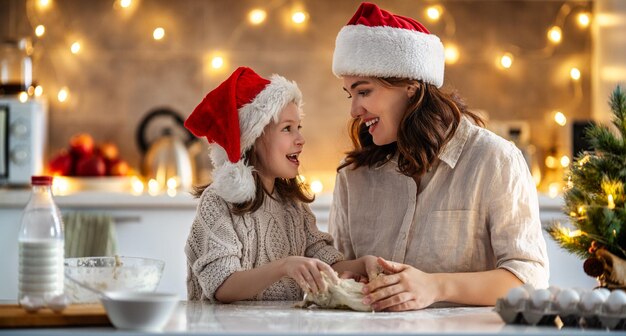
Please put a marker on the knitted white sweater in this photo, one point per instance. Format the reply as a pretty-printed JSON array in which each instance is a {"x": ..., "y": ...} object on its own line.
[{"x": 220, "y": 244}]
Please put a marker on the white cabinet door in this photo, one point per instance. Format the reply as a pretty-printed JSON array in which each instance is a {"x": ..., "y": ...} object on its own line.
[{"x": 9, "y": 228}]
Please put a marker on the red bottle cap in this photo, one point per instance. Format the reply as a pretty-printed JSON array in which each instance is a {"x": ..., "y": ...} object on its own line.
[{"x": 41, "y": 180}]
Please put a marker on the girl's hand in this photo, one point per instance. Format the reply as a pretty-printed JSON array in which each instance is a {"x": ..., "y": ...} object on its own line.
[
  {"x": 307, "y": 272},
  {"x": 401, "y": 287}
]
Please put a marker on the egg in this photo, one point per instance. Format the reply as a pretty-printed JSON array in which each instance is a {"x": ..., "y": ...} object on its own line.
[
  {"x": 554, "y": 290},
  {"x": 615, "y": 301},
  {"x": 58, "y": 303},
  {"x": 32, "y": 304},
  {"x": 540, "y": 298},
  {"x": 604, "y": 292},
  {"x": 567, "y": 299},
  {"x": 516, "y": 295},
  {"x": 590, "y": 301}
]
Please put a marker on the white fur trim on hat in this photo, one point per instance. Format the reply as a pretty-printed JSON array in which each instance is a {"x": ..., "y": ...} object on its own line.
[
  {"x": 234, "y": 181},
  {"x": 231, "y": 181},
  {"x": 384, "y": 51}
]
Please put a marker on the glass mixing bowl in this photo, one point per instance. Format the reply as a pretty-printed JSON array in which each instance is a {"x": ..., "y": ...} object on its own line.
[{"x": 111, "y": 274}]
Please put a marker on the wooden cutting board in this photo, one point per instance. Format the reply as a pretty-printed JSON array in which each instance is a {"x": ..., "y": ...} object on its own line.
[{"x": 14, "y": 316}]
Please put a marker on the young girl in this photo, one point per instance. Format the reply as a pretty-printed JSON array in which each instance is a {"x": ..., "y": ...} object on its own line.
[
  {"x": 455, "y": 209},
  {"x": 254, "y": 236}
]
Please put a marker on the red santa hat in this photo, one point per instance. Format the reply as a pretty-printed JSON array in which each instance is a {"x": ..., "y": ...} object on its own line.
[
  {"x": 232, "y": 117},
  {"x": 377, "y": 43}
]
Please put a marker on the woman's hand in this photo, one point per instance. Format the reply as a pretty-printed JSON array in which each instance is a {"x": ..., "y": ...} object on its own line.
[
  {"x": 400, "y": 287},
  {"x": 307, "y": 272}
]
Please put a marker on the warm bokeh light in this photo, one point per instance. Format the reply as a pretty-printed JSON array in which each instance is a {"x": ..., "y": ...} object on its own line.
[
  {"x": 554, "y": 34},
  {"x": 317, "y": 186},
  {"x": 553, "y": 189},
  {"x": 506, "y": 61},
  {"x": 63, "y": 94},
  {"x": 75, "y": 48},
  {"x": 611, "y": 204},
  {"x": 565, "y": 161},
  {"x": 172, "y": 183},
  {"x": 153, "y": 187},
  {"x": 158, "y": 33},
  {"x": 451, "y": 53},
  {"x": 574, "y": 73},
  {"x": 434, "y": 12},
  {"x": 550, "y": 161},
  {"x": 583, "y": 19},
  {"x": 257, "y": 16},
  {"x": 125, "y": 3},
  {"x": 38, "y": 91},
  {"x": 31, "y": 90},
  {"x": 217, "y": 62},
  {"x": 40, "y": 30},
  {"x": 60, "y": 186},
  {"x": 298, "y": 17},
  {"x": 43, "y": 4},
  {"x": 136, "y": 185},
  {"x": 23, "y": 97},
  {"x": 575, "y": 233},
  {"x": 560, "y": 118}
]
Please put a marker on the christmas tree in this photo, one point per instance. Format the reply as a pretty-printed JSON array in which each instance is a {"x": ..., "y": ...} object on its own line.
[{"x": 594, "y": 200}]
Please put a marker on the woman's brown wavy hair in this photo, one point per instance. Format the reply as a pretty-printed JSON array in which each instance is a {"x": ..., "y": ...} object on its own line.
[
  {"x": 428, "y": 124},
  {"x": 286, "y": 189}
]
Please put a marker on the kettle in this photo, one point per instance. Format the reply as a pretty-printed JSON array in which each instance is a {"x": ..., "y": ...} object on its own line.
[{"x": 166, "y": 159}]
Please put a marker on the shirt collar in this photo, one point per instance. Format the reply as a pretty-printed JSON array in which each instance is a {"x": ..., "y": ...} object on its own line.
[{"x": 452, "y": 150}]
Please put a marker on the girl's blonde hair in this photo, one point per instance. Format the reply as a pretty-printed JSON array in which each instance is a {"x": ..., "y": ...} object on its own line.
[{"x": 285, "y": 189}]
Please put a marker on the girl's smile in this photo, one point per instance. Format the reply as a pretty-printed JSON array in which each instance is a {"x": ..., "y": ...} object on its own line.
[{"x": 279, "y": 147}]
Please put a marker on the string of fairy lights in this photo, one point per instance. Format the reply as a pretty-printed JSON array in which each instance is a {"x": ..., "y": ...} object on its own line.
[{"x": 556, "y": 159}]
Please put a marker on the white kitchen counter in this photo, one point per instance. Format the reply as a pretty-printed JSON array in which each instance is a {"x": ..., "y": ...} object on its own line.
[{"x": 280, "y": 318}]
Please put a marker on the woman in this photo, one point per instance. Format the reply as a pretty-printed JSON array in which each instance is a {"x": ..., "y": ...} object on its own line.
[{"x": 449, "y": 207}]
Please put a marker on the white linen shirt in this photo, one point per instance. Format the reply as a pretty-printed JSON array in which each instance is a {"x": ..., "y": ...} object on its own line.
[{"x": 477, "y": 211}]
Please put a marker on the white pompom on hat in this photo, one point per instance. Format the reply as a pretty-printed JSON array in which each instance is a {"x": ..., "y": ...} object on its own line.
[
  {"x": 232, "y": 117},
  {"x": 377, "y": 43}
]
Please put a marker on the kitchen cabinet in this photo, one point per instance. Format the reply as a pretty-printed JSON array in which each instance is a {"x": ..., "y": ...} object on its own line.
[
  {"x": 157, "y": 227},
  {"x": 146, "y": 226}
]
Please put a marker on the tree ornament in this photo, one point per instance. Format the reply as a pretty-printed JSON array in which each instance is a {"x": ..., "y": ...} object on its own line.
[{"x": 593, "y": 267}]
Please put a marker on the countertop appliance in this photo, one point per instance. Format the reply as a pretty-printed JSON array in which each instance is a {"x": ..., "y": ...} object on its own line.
[
  {"x": 23, "y": 134},
  {"x": 166, "y": 157}
]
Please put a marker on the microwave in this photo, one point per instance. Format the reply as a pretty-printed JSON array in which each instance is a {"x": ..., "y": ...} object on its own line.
[{"x": 23, "y": 134}]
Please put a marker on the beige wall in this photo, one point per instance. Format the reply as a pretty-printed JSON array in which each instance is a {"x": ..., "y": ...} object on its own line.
[{"x": 121, "y": 72}]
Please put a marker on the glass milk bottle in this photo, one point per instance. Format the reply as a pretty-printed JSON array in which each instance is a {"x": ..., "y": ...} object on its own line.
[{"x": 41, "y": 247}]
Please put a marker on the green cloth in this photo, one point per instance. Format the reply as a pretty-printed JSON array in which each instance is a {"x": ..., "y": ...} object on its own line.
[{"x": 89, "y": 235}]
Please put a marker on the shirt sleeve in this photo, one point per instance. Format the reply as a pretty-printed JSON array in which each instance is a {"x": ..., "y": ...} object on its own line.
[
  {"x": 338, "y": 225},
  {"x": 318, "y": 244},
  {"x": 213, "y": 247},
  {"x": 513, "y": 216}
]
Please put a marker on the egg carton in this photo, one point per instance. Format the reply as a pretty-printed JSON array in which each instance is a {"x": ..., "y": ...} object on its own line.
[{"x": 578, "y": 315}]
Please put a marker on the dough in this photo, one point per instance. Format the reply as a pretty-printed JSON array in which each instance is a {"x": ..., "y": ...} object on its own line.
[{"x": 344, "y": 295}]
